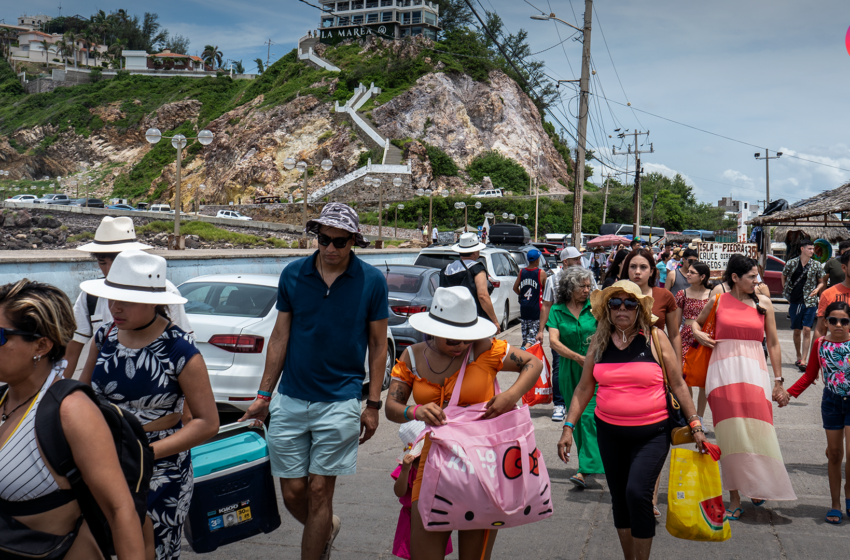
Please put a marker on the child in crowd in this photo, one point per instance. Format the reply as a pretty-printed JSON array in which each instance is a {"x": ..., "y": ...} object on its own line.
[{"x": 404, "y": 476}]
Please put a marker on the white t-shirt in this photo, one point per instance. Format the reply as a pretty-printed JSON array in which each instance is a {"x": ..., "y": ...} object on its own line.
[
  {"x": 86, "y": 324},
  {"x": 434, "y": 233},
  {"x": 552, "y": 284}
]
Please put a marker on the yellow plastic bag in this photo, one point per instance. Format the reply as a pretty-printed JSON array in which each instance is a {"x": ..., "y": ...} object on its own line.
[{"x": 695, "y": 498}]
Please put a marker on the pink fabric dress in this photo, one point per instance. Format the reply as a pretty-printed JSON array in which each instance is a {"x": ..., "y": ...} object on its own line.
[
  {"x": 740, "y": 394},
  {"x": 401, "y": 543}
]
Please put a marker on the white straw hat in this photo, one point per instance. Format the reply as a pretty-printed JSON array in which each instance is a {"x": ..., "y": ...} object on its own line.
[
  {"x": 137, "y": 277},
  {"x": 468, "y": 243},
  {"x": 114, "y": 235},
  {"x": 453, "y": 315}
]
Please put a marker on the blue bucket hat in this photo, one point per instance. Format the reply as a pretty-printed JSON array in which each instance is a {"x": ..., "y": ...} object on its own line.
[{"x": 533, "y": 255}]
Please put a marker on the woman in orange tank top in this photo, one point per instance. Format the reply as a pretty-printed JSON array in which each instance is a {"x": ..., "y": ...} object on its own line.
[{"x": 429, "y": 371}]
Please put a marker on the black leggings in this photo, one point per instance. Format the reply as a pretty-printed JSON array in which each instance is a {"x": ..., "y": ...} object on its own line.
[{"x": 633, "y": 457}]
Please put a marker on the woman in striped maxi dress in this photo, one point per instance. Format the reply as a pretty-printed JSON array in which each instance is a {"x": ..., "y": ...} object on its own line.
[{"x": 740, "y": 391}]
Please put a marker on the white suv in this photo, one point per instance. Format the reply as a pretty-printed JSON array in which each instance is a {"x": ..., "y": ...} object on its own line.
[
  {"x": 501, "y": 268},
  {"x": 165, "y": 208},
  {"x": 492, "y": 193},
  {"x": 232, "y": 214}
]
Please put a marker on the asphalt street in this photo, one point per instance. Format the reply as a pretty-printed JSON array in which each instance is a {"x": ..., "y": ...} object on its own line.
[{"x": 582, "y": 526}]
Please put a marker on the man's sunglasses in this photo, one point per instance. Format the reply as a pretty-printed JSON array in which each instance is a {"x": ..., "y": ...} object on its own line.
[
  {"x": 615, "y": 303},
  {"x": 450, "y": 342},
  {"x": 4, "y": 334},
  {"x": 692, "y": 260},
  {"x": 339, "y": 242},
  {"x": 835, "y": 320}
]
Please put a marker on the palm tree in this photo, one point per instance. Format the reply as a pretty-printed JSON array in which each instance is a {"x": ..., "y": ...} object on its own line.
[
  {"x": 238, "y": 68},
  {"x": 45, "y": 45},
  {"x": 259, "y": 63},
  {"x": 117, "y": 49},
  {"x": 212, "y": 56},
  {"x": 62, "y": 48}
]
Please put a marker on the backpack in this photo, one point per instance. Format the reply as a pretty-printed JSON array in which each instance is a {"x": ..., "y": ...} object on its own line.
[
  {"x": 91, "y": 303},
  {"x": 131, "y": 443}
]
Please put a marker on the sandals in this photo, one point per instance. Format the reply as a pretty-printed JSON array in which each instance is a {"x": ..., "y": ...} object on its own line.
[
  {"x": 578, "y": 481},
  {"x": 834, "y": 513},
  {"x": 800, "y": 365},
  {"x": 733, "y": 515},
  {"x": 757, "y": 503},
  {"x": 656, "y": 512}
]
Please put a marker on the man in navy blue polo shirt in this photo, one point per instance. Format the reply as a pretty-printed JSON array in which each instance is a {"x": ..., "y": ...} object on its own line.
[{"x": 331, "y": 307}]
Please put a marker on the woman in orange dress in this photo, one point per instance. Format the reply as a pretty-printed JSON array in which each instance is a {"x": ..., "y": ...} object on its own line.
[{"x": 429, "y": 371}]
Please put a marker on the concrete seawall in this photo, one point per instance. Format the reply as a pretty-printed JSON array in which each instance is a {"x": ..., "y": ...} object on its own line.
[{"x": 66, "y": 269}]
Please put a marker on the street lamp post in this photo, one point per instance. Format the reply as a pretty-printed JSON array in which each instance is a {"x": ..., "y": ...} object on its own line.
[
  {"x": 512, "y": 217},
  {"x": 429, "y": 193},
  {"x": 199, "y": 190},
  {"x": 462, "y": 206},
  {"x": 395, "y": 228},
  {"x": 767, "y": 157},
  {"x": 289, "y": 163},
  {"x": 178, "y": 141}
]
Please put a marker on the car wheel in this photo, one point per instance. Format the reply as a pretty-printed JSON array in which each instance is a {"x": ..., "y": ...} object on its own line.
[
  {"x": 390, "y": 364},
  {"x": 506, "y": 317}
]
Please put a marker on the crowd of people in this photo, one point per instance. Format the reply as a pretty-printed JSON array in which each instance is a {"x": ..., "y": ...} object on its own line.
[{"x": 620, "y": 328}]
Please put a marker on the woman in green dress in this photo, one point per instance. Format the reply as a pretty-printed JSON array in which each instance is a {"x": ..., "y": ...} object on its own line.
[{"x": 571, "y": 324}]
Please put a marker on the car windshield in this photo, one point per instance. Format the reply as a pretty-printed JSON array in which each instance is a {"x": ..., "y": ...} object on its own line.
[
  {"x": 405, "y": 282},
  {"x": 438, "y": 260},
  {"x": 228, "y": 299}
]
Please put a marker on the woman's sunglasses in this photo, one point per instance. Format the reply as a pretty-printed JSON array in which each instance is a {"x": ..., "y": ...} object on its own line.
[
  {"x": 4, "y": 334},
  {"x": 339, "y": 242},
  {"x": 615, "y": 303},
  {"x": 457, "y": 342},
  {"x": 835, "y": 320}
]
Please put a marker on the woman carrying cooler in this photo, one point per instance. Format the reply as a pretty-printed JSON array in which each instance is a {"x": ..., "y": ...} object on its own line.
[
  {"x": 631, "y": 408},
  {"x": 740, "y": 390},
  {"x": 36, "y": 325},
  {"x": 571, "y": 324},
  {"x": 148, "y": 366},
  {"x": 429, "y": 371},
  {"x": 831, "y": 354}
]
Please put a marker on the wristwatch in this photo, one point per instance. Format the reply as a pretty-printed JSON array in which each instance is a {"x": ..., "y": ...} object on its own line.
[
  {"x": 780, "y": 379},
  {"x": 374, "y": 404}
]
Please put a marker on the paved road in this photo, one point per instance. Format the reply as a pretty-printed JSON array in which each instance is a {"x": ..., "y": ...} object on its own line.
[{"x": 581, "y": 526}]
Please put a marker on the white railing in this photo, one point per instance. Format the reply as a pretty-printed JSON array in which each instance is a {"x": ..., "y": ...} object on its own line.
[
  {"x": 367, "y": 94},
  {"x": 356, "y": 174},
  {"x": 312, "y": 57}
]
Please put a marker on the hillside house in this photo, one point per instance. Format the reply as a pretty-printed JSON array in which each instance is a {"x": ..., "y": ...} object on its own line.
[
  {"x": 167, "y": 60},
  {"x": 33, "y": 22}
]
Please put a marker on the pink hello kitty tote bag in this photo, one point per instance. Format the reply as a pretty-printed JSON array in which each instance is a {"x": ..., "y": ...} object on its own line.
[{"x": 483, "y": 474}]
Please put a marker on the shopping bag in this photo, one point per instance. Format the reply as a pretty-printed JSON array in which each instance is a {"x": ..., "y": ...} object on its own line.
[
  {"x": 483, "y": 474},
  {"x": 695, "y": 509},
  {"x": 695, "y": 367},
  {"x": 541, "y": 393}
]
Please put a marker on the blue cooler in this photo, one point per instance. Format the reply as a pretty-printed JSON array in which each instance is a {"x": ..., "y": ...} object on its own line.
[{"x": 234, "y": 496}]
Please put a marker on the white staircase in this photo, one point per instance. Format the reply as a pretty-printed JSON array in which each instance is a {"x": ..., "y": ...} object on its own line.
[{"x": 305, "y": 52}]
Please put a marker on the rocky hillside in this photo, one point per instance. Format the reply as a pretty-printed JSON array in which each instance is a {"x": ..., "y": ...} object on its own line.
[{"x": 429, "y": 104}]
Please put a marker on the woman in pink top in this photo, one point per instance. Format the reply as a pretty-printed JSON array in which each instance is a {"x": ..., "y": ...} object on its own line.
[
  {"x": 631, "y": 408},
  {"x": 740, "y": 390}
]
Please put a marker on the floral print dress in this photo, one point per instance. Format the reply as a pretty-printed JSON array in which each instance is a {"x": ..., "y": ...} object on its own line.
[
  {"x": 144, "y": 382},
  {"x": 691, "y": 308}
]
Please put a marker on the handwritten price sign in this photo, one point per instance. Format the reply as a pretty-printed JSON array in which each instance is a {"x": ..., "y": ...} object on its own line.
[{"x": 716, "y": 255}]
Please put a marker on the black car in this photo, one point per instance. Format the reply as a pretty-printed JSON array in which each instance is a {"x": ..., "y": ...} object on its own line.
[
  {"x": 93, "y": 202},
  {"x": 411, "y": 289}
]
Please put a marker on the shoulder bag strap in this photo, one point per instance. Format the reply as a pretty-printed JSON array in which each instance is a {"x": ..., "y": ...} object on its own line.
[
  {"x": 660, "y": 356},
  {"x": 456, "y": 391}
]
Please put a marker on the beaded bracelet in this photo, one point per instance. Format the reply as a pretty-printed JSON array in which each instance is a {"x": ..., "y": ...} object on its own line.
[{"x": 699, "y": 429}]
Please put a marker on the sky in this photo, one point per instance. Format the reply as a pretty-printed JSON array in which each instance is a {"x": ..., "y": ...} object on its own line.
[{"x": 772, "y": 73}]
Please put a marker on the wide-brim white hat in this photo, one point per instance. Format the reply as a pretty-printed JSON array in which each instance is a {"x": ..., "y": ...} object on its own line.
[
  {"x": 137, "y": 277},
  {"x": 114, "y": 235},
  {"x": 468, "y": 243},
  {"x": 453, "y": 315}
]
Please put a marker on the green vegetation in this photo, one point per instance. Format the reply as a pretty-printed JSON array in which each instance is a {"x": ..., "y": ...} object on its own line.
[
  {"x": 505, "y": 173},
  {"x": 441, "y": 163},
  {"x": 84, "y": 236},
  {"x": 212, "y": 234},
  {"x": 376, "y": 156},
  {"x": 326, "y": 135}
]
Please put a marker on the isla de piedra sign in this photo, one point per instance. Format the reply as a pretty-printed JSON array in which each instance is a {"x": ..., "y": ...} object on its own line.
[{"x": 716, "y": 255}]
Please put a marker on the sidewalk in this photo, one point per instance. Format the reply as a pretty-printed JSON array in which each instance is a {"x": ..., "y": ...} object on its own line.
[{"x": 582, "y": 527}]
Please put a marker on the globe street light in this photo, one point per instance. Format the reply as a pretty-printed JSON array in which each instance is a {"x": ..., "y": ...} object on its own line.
[
  {"x": 504, "y": 215},
  {"x": 478, "y": 206},
  {"x": 178, "y": 141},
  {"x": 290, "y": 164},
  {"x": 512, "y": 217},
  {"x": 397, "y": 208}
]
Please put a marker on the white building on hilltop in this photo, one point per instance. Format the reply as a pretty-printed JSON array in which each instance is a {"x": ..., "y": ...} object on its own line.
[
  {"x": 391, "y": 19},
  {"x": 33, "y": 22}
]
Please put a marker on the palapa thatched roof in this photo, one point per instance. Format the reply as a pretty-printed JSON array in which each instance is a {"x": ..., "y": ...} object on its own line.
[
  {"x": 817, "y": 210},
  {"x": 831, "y": 234}
]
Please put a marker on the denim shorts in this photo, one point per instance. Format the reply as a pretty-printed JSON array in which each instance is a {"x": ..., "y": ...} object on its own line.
[
  {"x": 802, "y": 316},
  {"x": 835, "y": 410},
  {"x": 307, "y": 437}
]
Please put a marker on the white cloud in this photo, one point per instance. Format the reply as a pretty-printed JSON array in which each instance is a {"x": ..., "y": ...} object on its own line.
[
  {"x": 735, "y": 176},
  {"x": 666, "y": 171}
]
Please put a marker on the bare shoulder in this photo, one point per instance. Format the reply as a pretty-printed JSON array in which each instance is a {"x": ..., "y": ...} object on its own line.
[{"x": 765, "y": 301}]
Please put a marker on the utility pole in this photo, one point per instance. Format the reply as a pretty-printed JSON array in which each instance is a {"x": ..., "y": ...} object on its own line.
[
  {"x": 652, "y": 217},
  {"x": 637, "y": 225},
  {"x": 767, "y": 157},
  {"x": 269, "y": 51},
  {"x": 537, "y": 192},
  {"x": 578, "y": 196},
  {"x": 605, "y": 205}
]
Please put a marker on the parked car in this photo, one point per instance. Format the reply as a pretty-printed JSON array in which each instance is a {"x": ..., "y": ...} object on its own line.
[
  {"x": 121, "y": 207},
  {"x": 232, "y": 214},
  {"x": 93, "y": 202},
  {"x": 22, "y": 198},
  {"x": 491, "y": 193},
  {"x": 502, "y": 271},
  {"x": 233, "y": 316},
  {"x": 411, "y": 289},
  {"x": 54, "y": 198},
  {"x": 773, "y": 275},
  {"x": 165, "y": 208}
]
